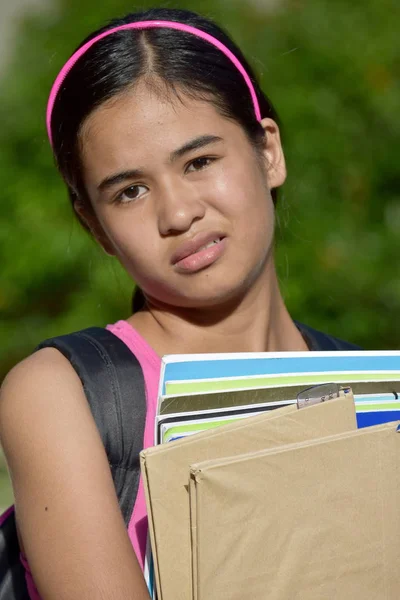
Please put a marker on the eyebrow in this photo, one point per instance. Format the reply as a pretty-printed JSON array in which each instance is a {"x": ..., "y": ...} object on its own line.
[{"x": 195, "y": 144}]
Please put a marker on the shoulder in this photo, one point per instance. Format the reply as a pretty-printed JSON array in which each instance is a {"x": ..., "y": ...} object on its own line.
[
  {"x": 39, "y": 390},
  {"x": 44, "y": 366},
  {"x": 317, "y": 340}
]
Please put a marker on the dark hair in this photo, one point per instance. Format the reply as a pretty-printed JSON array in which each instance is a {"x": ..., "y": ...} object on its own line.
[{"x": 180, "y": 60}]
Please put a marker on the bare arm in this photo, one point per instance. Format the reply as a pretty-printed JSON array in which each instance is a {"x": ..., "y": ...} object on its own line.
[{"x": 67, "y": 510}]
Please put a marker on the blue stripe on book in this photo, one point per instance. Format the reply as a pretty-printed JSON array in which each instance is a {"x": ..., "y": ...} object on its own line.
[
  {"x": 215, "y": 369},
  {"x": 151, "y": 578},
  {"x": 368, "y": 419}
]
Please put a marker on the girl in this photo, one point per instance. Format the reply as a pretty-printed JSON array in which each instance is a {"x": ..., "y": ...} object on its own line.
[{"x": 172, "y": 157}]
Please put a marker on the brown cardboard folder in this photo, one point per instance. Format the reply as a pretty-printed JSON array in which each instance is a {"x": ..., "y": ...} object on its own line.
[
  {"x": 310, "y": 521},
  {"x": 166, "y": 469}
]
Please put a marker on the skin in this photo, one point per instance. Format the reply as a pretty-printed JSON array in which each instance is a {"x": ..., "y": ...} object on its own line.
[
  {"x": 63, "y": 494},
  {"x": 233, "y": 305}
]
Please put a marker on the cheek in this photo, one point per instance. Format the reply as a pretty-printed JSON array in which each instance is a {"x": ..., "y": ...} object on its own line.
[
  {"x": 132, "y": 237},
  {"x": 244, "y": 194}
]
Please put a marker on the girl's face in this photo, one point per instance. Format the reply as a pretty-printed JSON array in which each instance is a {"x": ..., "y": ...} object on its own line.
[{"x": 180, "y": 196}]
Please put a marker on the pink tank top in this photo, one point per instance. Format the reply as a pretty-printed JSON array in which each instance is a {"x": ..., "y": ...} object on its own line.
[{"x": 151, "y": 366}]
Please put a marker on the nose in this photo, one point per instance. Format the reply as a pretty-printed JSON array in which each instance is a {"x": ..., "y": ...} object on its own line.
[{"x": 179, "y": 206}]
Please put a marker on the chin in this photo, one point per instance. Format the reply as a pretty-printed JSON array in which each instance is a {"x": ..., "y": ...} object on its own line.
[
  {"x": 208, "y": 289},
  {"x": 207, "y": 296}
]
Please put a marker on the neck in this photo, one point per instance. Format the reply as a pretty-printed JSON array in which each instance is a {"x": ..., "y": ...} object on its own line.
[{"x": 259, "y": 322}]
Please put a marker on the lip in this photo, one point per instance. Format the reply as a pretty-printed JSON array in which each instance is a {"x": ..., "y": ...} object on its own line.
[{"x": 192, "y": 246}]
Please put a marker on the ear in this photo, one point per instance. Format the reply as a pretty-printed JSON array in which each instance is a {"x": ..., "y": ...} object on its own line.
[
  {"x": 275, "y": 166},
  {"x": 90, "y": 221}
]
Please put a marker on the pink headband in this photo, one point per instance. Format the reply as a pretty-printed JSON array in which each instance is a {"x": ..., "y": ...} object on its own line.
[{"x": 145, "y": 25}]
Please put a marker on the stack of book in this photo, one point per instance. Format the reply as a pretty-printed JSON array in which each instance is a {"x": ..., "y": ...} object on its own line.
[
  {"x": 245, "y": 510},
  {"x": 198, "y": 392}
]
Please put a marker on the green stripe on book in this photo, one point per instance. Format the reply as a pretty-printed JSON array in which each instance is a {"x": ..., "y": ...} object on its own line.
[
  {"x": 194, "y": 428},
  {"x": 215, "y": 385},
  {"x": 373, "y": 407}
]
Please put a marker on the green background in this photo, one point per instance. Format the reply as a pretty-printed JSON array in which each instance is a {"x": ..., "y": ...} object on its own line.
[{"x": 332, "y": 71}]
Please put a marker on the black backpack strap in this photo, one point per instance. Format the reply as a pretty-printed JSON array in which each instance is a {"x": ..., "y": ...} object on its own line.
[
  {"x": 113, "y": 382},
  {"x": 316, "y": 340}
]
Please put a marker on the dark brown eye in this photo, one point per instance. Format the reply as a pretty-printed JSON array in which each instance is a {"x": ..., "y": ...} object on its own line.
[
  {"x": 200, "y": 163},
  {"x": 131, "y": 193}
]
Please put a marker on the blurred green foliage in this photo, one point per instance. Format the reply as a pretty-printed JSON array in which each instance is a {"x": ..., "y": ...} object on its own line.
[{"x": 331, "y": 69}]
